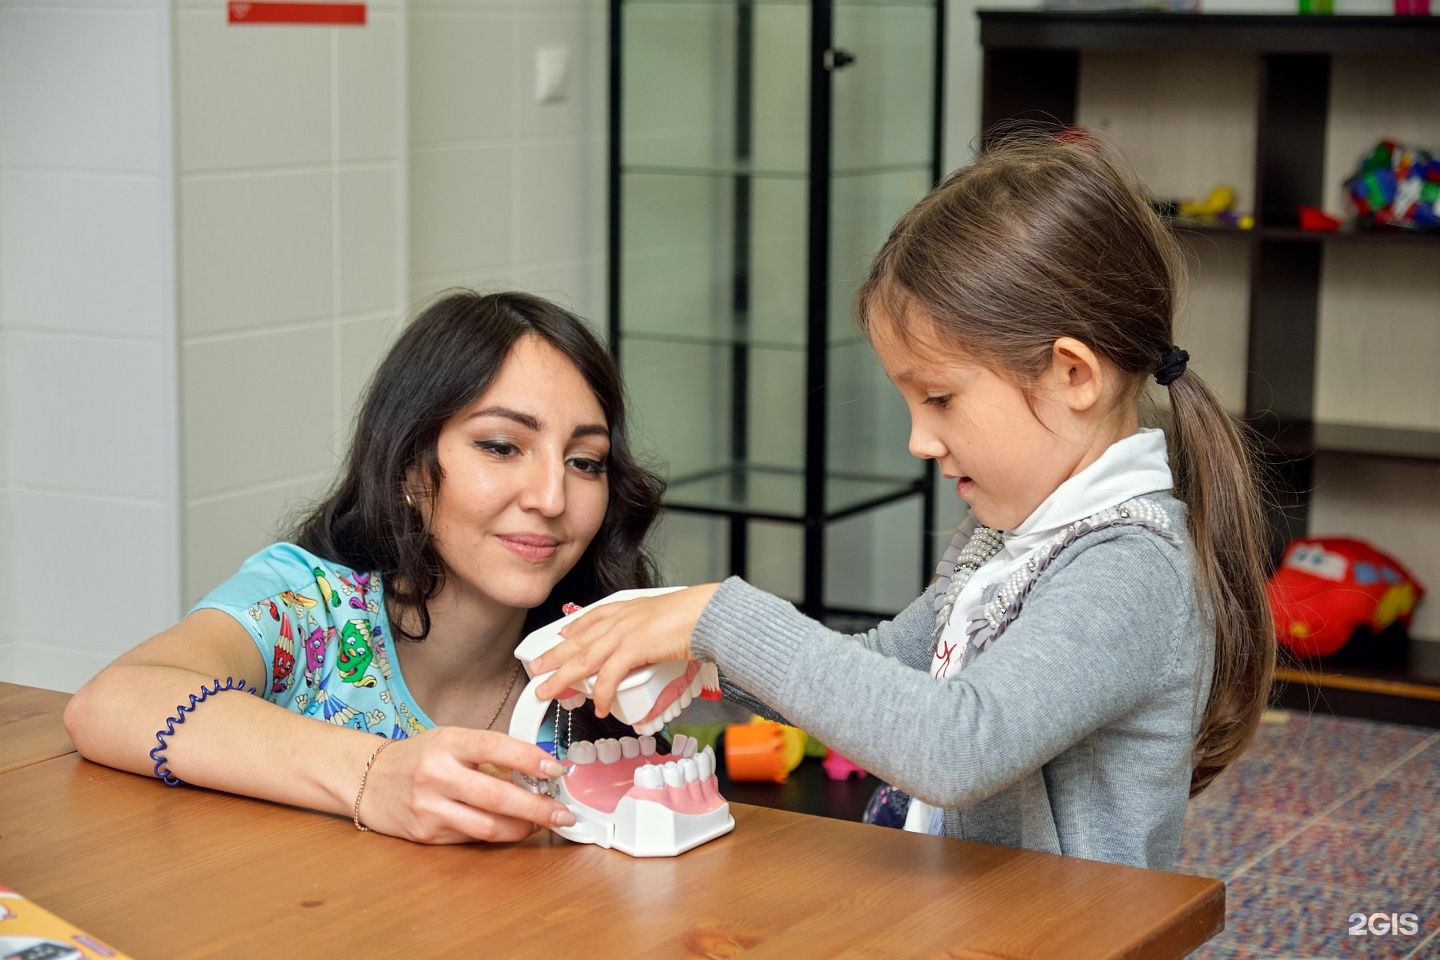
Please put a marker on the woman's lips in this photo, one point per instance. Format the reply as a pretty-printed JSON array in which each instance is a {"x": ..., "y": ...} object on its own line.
[
  {"x": 963, "y": 486},
  {"x": 532, "y": 547}
]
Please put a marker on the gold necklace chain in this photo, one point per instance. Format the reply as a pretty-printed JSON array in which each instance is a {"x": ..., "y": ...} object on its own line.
[{"x": 514, "y": 675}]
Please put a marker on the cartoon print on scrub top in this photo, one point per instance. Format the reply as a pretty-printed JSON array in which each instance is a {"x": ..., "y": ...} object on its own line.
[
  {"x": 315, "y": 645},
  {"x": 356, "y": 653},
  {"x": 340, "y": 648},
  {"x": 284, "y": 656}
]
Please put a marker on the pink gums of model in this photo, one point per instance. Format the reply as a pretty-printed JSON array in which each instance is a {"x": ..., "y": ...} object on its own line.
[
  {"x": 625, "y": 795},
  {"x": 684, "y": 781}
]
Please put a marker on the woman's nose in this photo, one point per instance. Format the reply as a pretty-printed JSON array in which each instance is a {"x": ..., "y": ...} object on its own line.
[{"x": 544, "y": 490}]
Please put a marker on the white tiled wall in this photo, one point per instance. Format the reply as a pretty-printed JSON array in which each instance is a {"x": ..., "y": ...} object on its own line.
[
  {"x": 205, "y": 235},
  {"x": 292, "y": 262},
  {"x": 89, "y": 536},
  {"x": 506, "y": 191}
]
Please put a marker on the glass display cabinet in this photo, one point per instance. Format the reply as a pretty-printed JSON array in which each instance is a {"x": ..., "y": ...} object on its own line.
[{"x": 760, "y": 151}]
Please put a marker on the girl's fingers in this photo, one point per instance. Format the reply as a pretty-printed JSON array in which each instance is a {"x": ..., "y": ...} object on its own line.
[
  {"x": 607, "y": 681},
  {"x": 609, "y": 641},
  {"x": 572, "y": 661}
]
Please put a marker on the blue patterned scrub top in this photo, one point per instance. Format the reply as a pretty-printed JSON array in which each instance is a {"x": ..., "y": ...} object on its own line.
[{"x": 322, "y": 632}]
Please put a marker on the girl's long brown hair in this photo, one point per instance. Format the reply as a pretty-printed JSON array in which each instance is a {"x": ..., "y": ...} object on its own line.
[{"x": 1041, "y": 239}]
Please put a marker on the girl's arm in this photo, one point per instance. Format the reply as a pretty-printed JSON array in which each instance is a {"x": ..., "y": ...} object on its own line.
[
  {"x": 1109, "y": 628},
  {"x": 1104, "y": 631},
  {"x": 615, "y": 638},
  {"x": 429, "y": 788}
]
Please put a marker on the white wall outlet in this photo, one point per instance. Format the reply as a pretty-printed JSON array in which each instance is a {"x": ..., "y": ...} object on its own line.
[{"x": 552, "y": 74}]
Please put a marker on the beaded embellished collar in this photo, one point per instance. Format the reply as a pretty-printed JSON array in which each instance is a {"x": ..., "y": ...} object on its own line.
[{"x": 976, "y": 543}]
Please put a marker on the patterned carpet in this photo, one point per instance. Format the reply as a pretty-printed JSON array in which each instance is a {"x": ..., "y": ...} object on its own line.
[{"x": 1323, "y": 819}]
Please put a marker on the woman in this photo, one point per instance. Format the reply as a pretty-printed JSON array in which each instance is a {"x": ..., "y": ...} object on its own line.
[{"x": 489, "y": 482}]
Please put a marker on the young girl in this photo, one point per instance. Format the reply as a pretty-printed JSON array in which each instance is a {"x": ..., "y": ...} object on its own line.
[
  {"x": 1096, "y": 648},
  {"x": 489, "y": 480}
]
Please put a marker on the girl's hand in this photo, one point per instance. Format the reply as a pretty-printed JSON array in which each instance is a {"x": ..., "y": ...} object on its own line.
[
  {"x": 440, "y": 787},
  {"x": 614, "y": 638}
]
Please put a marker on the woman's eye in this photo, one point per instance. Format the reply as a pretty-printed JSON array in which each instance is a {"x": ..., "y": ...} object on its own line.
[
  {"x": 942, "y": 402},
  {"x": 587, "y": 465},
  {"x": 499, "y": 448}
]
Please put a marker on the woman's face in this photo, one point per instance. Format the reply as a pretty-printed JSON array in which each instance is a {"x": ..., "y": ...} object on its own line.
[{"x": 523, "y": 487}]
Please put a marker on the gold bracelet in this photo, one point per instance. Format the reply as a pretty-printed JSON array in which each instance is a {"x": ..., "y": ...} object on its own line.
[{"x": 363, "y": 778}]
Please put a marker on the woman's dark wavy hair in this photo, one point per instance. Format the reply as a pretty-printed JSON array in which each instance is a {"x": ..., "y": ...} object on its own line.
[{"x": 443, "y": 361}]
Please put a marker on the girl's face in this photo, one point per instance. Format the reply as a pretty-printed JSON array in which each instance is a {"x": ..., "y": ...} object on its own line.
[
  {"x": 1005, "y": 454},
  {"x": 523, "y": 487}
]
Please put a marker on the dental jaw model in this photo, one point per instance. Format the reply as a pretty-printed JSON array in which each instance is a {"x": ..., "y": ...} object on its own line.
[{"x": 624, "y": 795}]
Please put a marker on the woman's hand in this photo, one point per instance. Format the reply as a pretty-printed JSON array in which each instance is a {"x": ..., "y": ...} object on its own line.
[
  {"x": 612, "y": 639},
  {"x": 446, "y": 786}
]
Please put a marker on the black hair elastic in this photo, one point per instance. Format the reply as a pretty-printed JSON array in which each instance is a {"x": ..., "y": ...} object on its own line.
[{"x": 1171, "y": 367}]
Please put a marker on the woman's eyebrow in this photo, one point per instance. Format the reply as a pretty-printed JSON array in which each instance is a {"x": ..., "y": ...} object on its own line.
[
  {"x": 533, "y": 423},
  {"x": 524, "y": 419}
]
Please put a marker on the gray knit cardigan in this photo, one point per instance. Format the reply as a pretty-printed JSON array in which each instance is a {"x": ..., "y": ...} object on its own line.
[{"x": 1072, "y": 732}]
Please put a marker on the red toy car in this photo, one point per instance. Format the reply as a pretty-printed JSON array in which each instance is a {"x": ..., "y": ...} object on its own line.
[{"x": 1328, "y": 587}]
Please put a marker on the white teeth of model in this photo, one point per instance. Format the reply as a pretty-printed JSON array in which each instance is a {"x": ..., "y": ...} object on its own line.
[
  {"x": 695, "y": 684},
  {"x": 691, "y": 769},
  {"x": 629, "y": 748},
  {"x": 674, "y": 776},
  {"x": 685, "y": 699},
  {"x": 705, "y": 763},
  {"x": 677, "y": 745},
  {"x": 649, "y": 777},
  {"x": 672, "y": 711},
  {"x": 608, "y": 749},
  {"x": 690, "y": 748},
  {"x": 581, "y": 751},
  {"x": 647, "y": 746},
  {"x": 573, "y": 703}
]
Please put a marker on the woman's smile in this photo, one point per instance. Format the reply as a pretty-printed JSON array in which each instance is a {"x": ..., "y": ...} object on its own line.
[{"x": 534, "y": 547}]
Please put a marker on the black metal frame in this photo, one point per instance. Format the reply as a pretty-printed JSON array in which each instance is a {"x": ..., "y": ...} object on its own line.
[{"x": 815, "y": 518}]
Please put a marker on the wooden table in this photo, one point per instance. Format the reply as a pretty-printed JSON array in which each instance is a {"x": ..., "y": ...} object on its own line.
[
  {"x": 164, "y": 873},
  {"x": 30, "y": 729}
]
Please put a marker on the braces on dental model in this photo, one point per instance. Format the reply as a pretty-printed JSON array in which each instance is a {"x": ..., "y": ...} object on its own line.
[{"x": 624, "y": 795}]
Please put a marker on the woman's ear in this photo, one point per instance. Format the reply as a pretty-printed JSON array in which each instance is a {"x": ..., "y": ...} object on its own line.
[
  {"x": 1077, "y": 373},
  {"x": 413, "y": 490}
]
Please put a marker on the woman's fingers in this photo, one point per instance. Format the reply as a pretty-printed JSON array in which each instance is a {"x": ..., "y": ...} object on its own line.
[
  {"x": 471, "y": 824},
  {"x": 477, "y": 747},
  {"x": 442, "y": 787},
  {"x": 503, "y": 800}
]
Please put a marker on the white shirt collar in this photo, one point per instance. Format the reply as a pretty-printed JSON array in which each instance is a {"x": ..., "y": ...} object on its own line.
[{"x": 1132, "y": 467}]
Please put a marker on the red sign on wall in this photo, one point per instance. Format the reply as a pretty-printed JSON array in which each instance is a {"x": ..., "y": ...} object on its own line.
[{"x": 325, "y": 14}]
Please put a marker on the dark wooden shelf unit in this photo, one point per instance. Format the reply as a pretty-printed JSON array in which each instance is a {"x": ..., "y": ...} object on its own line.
[{"x": 1031, "y": 76}]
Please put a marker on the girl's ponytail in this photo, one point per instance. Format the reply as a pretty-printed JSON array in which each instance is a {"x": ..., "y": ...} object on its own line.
[{"x": 1213, "y": 465}]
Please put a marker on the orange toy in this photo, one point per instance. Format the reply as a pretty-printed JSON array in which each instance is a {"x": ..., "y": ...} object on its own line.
[{"x": 762, "y": 750}]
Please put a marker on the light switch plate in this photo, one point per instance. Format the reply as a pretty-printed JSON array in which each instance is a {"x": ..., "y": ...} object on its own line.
[{"x": 552, "y": 74}]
